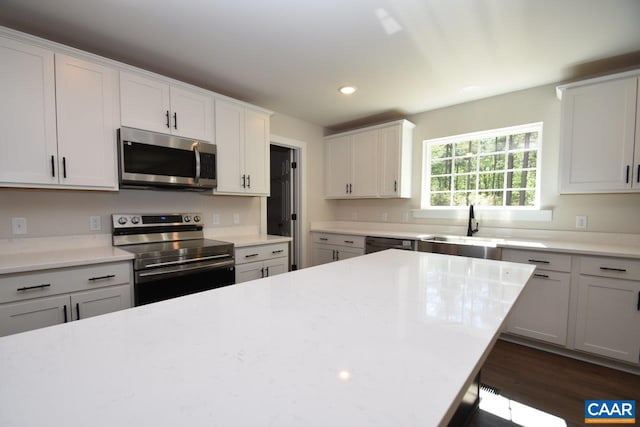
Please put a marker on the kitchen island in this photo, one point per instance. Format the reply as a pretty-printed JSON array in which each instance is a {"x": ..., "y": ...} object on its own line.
[{"x": 390, "y": 338}]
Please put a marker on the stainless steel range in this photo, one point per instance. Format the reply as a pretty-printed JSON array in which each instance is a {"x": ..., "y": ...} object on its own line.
[{"x": 172, "y": 257}]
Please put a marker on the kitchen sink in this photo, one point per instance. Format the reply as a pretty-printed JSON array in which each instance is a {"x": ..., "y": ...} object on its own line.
[{"x": 473, "y": 247}]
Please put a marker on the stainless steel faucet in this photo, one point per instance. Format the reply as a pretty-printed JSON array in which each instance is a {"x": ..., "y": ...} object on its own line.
[{"x": 470, "y": 226}]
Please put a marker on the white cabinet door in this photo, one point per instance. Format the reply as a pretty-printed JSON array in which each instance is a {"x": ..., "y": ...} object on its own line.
[
  {"x": 242, "y": 137},
  {"x": 249, "y": 271},
  {"x": 87, "y": 111},
  {"x": 389, "y": 172},
  {"x": 145, "y": 103},
  {"x": 192, "y": 114},
  {"x": 33, "y": 314},
  {"x": 322, "y": 254},
  {"x": 543, "y": 308},
  {"x": 256, "y": 152},
  {"x": 28, "y": 146},
  {"x": 100, "y": 301},
  {"x": 608, "y": 317},
  {"x": 229, "y": 131},
  {"x": 338, "y": 167},
  {"x": 364, "y": 164},
  {"x": 276, "y": 266},
  {"x": 346, "y": 253},
  {"x": 599, "y": 122}
]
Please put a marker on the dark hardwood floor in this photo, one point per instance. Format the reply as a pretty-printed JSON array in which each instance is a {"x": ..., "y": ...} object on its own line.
[{"x": 551, "y": 383}]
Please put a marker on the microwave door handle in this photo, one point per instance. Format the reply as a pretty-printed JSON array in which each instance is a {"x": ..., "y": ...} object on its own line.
[{"x": 197, "y": 153}]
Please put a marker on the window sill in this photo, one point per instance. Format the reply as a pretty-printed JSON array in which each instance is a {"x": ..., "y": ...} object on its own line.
[{"x": 542, "y": 215}]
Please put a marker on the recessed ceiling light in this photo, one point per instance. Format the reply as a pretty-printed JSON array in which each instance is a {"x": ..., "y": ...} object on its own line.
[{"x": 347, "y": 90}]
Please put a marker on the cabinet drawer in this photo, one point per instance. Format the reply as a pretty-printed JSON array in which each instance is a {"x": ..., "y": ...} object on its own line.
[
  {"x": 543, "y": 260},
  {"x": 261, "y": 252},
  {"x": 620, "y": 268},
  {"x": 339, "y": 239},
  {"x": 20, "y": 286}
]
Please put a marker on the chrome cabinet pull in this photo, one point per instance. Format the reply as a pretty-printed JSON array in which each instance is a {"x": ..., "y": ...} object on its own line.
[
  {"x": 28, "y": 288},
  {"x": 108, "y": 276},
  {"x": 621, "y": 270},
  {"x": 539, "y": 261}
]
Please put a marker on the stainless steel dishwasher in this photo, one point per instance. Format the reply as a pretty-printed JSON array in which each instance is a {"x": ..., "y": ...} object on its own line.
[{"x": 376, "y": 244}]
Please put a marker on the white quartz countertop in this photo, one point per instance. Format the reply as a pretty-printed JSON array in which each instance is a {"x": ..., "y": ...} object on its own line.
[
  {"x": 605, "y": 247},
  {"x": 391, "y": 338},
  {"x": 253, "y": 239},
  {"x": 58, "y": 258}
]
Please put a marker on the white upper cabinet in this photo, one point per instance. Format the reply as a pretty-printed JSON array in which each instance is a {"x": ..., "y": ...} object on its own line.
[
  {"x": 28, "y": 146},
  {"x": 88, "y": 113},
  {"x": 242, "y": 138},
  {"x": 369, "y": 163},
  {"x": 59, "y": 119},
  {"x": 157, "y": 106},
  {"x": 600, "y": 135}
]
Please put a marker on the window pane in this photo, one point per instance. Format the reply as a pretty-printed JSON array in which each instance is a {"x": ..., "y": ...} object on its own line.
[
  {"x": 465, "y": 182},
  {"x": 490, "y": 198},
  {"x": 492, "y": 163},
  {"x": 491, "y": 181},
  {"x": 462, "y": 198},
  {"x": 522, "y": 160},
  {"x": 439, "y": 151},
  {"x": 465, "y": 164},
  {"x": 492, "y": 145},
  {"x": 466, "y": 147},
  {"x": 521, "y": 198},
  {"x": 441, "y": 183},
  {"x": 521, "y": 179},
  {"x": 440, "y": 199},
  {"x": 440, "y": 167},
  {"x": 523, "y": 140}
]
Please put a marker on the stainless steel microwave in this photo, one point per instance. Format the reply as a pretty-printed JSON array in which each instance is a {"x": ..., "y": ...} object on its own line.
[{"x": 149, "y": 159}]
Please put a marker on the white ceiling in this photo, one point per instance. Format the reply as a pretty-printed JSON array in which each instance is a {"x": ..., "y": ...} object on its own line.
[{"x": 292, "y": 55}]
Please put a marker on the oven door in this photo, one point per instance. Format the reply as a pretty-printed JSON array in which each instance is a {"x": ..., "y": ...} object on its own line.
[{"x": 170, "y": 281}]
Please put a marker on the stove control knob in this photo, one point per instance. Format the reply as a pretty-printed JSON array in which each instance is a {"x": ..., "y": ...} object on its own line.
[
  {"x": 122, "y": 220},
  {"x": 187, "y": 218},
  {"x": 135, "y": 220},
  {"x": 196, "y": 218}
]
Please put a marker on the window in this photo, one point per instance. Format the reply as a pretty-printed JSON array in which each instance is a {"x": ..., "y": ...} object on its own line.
[{"x": 497, "y": 168}]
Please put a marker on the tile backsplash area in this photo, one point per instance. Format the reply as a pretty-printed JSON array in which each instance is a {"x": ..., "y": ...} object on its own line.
[{"x": 43, "y": 213}]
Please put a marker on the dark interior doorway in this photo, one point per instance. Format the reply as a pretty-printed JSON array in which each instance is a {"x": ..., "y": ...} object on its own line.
[{"x": 281, "y": 204}]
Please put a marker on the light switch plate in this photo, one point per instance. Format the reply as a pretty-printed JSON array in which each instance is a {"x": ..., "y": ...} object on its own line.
[
  {"x": 236, "y": 218},
  {"x": 94, "y": 223},
  {"x": 18, "y": 225},
  {"x": 581, "y": 221},
  {"x": 216, "y": 219}
]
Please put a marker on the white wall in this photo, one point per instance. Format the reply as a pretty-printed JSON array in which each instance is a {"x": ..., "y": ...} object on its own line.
[{"x": 606, "y": 213}]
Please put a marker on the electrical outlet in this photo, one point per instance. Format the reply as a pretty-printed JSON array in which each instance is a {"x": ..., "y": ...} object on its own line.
[
  {"x": 216, "y": 219},
  {"x": 581, "y": 221},
  {"x": 18, "y": 225},
  {"x": 384, "y": 217},
  {"x": 94, "y": 223},
  {"x": 405, "y": 216},
  {"x": 236, "y": 218},
  {"x": 354, "y": 216}
]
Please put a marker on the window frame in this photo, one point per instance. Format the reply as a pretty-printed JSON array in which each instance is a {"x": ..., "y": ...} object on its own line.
[{"x": 425, "y": 192}]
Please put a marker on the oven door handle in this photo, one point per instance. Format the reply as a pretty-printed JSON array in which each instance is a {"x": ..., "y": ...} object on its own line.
[
  {"x": 212, "y": 266},
  {"x": 187, "y": 261}
]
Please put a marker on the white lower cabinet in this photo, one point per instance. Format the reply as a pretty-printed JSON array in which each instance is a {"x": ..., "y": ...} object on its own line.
[
  {"x": 608, "y": 310},
  {"x": 259, "y": 261},
  {"x": 542, "y": 310},
  {"x": 329, "y": 247},
  {"x": 50, "y": 297}
]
